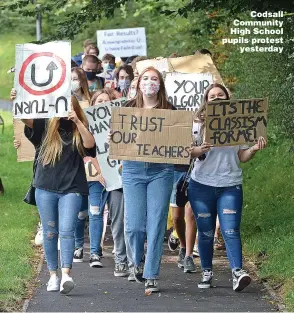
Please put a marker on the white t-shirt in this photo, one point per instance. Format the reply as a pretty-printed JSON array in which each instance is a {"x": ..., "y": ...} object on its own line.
[{"x": 220, "y": 167}]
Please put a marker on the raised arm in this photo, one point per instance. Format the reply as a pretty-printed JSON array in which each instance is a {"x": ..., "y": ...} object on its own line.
[{"x": 88, "y": 139}]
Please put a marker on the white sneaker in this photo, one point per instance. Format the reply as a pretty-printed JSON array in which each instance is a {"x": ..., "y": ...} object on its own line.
[
  {"x": 53, "y": 283},
  {"x": 39, "y": 236},
  {"x": 66, "y": 285}
]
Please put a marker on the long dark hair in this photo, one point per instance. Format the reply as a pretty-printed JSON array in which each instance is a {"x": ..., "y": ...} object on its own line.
[{"x": 161, "y": 96}]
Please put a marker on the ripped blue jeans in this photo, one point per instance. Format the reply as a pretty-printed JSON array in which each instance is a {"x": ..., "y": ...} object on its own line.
[
  {"x": 94, "y": 206},
  {"x": 59, "y": 214},
  {"x": 207, "y": 202}
]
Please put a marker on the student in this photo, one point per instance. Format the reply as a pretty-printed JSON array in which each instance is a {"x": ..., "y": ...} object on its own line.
[
  {"x": 91, "y": 67},
  {"x": 93, "y": 50},
  {"x": 93, "y": 206},
  {"x": 215, "y": 189},
  {"x": 185, "y": 227},
  {"x": 124, "y": 76},
  {"x": 79, "y": 57},
  {"x": 115, "y": 202},
  {"x": 147, "y": 189},
  {"x": 60, "y": 183},
  {"x": 108, "y": 62},
  {"x": 134, "y": 62},
  {"x": 79, "y": 85}
]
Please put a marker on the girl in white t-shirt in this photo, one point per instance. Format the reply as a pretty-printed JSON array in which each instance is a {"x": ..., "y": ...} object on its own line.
[{"x": 216, "y": 189}]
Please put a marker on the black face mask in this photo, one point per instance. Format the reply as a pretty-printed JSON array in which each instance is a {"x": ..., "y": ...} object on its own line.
[
  {"x": 90, "y": 75},
  {"x": 219, "y": 99}
]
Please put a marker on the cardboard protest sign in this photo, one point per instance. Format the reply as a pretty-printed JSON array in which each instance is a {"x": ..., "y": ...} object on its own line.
[
  {"x": 91, "y": 172},
  {"x": 99, "y": 117},
  {"x": 84, "y": 104},
  {"x": 186, "y": 91},
  {"x": 198, "y": 63},
  {"x": 162, "y": 65},
  {"x": 42, "y": 80},
  {"x": 122, "y": 42},
  {"x": 26, "y": 151},
  {"x": 236, "y": 122},
  {"x": 158, "y": 136}
]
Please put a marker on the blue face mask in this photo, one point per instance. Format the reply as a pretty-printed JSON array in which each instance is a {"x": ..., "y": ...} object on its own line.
[
  {"x": 123, "y": 84},
  {"x": 108, "y": 67},
  {"x": 90, "y": 75}
]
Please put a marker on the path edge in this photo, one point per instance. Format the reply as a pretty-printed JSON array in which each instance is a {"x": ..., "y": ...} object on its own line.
[
  {"x": 274, "y": 295},
  {"x": 38, "y": 271}
]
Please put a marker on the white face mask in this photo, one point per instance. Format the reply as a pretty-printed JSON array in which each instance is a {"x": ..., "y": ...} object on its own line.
[{"x": 75, "y": 85}]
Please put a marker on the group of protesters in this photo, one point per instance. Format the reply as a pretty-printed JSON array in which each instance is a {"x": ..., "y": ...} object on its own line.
[{"x": 200, "y": 195}]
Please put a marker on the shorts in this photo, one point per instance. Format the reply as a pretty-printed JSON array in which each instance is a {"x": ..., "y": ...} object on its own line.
[{"x": 177, "y": 177}]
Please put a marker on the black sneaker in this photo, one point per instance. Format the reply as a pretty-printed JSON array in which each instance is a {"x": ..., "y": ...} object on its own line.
[
  {"x": 173, "y": 242},
  {"x": 189, "y": 265},
  {"x": 78, "y": 255},
  {"x": 151, "y": 286},
  {"x": 181, "y": 257},
  {"x": 121, "y": 270},
  {"x": 138, "y": 273},
  {"x": 95, "y": 261},
  {"x": 241, "y": 280},
  {"x": 206, "y": 279}
]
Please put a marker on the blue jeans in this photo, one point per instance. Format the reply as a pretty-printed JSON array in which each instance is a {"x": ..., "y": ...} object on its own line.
[
  {"x": 207, "y": 202},
  {"x": 147, "y": 189},
  {"x": 95, "y": 208},
  {"x": 58, "y": 212}
]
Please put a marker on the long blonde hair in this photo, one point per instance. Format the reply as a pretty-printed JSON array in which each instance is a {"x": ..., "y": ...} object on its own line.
[{"x": 52, "y": 146}]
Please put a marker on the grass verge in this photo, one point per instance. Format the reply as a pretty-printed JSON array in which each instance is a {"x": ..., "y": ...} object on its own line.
[
  {"x": 18, "y": 223},
  {"x": 268, "y": 223}
]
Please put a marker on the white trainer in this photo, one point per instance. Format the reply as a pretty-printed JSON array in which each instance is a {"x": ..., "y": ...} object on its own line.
[
  {"x": 53, "y": 283},
  {"x": 66, "y": 285}
]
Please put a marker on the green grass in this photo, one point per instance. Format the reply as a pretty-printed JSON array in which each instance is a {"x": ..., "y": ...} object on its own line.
[
  {"x": 7, "y": 60},
  {"x": 17, "y": 223},
  {"x": 268, "y": 223}
]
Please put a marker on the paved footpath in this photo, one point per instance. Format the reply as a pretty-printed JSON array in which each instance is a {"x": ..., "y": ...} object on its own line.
[
  {"x": 98, "y": 290},
  {"x": 5, "y": 105}
]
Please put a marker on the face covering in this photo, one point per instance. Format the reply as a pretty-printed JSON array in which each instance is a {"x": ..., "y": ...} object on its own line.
[
  {"x": 123, "y": 84},
  {"x": 91, "y": 75},
  {"x": 149, "y": 88},
  {"x": 108, "y": 67},
  {"x": 75, "y": 85},
  {"x": 219, "y": 99}
]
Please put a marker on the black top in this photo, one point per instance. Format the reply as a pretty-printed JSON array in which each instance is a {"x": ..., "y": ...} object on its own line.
[{"x": 68, "y": 174}]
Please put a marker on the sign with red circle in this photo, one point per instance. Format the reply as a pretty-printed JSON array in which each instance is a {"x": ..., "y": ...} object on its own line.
[{"x": 46, "y": 91}]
